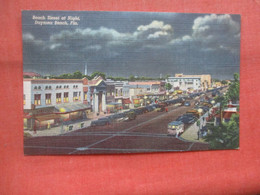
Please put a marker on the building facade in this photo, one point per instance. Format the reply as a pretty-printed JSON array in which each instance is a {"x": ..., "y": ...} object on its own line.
[
  {"x": 185, "y": 83},
  {"x": 205, "y": 79},
  {"x": 97, "y": 94},
  {"x": 48, "y": 102}
]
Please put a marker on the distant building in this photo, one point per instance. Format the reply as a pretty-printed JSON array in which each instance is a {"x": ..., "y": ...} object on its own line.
[
  {"x": 205, "y": 79},
  {"x": 185, "y": 83},
  {"x": 110, "y": 91},
  {"x": 118, "y": 92},
  {"x": 153, "y": 87}
]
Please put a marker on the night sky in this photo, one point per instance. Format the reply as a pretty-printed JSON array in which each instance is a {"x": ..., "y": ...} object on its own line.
[{"x": 133, "y": 43}]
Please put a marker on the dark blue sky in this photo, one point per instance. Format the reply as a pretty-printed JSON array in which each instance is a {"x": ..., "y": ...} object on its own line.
[{"x": 133, "y": 43}]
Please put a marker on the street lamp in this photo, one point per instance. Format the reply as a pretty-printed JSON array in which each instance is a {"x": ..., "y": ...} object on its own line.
[
  {"x": 145, "y": 97},
  {"x": 213, "y": 102},
  {"x": 167, "y": 93},
  {"x": 200, "y": 111}
]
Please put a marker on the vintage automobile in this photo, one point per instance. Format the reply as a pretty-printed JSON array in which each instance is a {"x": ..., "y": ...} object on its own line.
[
  {"x": 187, "y": 103},
  {"x": 100, "y": 122},
  {"x": 194, "y": 112},
  {"x": 187, "y": 119},
  {"x": 175, "y": 128},
  {"x": 130, "y": 115}
]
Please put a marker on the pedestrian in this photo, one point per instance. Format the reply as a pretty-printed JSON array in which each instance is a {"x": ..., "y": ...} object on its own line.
[{"x": 166, "y": 109}]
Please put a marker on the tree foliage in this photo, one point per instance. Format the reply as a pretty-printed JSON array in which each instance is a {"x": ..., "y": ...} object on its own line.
[
  {"x": 168, "y": 86},
  {"x": 94, "y": 74},
  {"x": 233, "y": 91},
  {"x": 225, "y": 136}
]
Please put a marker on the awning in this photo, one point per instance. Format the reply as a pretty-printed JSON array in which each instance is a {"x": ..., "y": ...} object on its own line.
[
  {"x": 66, "y": 108},
  {"x": 47, "y": 117},
  {"x": 127, "y": 101},
  {"x": 26, "y": 115}
]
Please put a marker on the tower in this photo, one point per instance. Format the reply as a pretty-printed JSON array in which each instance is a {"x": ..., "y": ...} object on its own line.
[{"x": 86, "y": 69}]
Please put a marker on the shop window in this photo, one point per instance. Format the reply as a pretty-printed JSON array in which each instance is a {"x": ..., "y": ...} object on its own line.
[
  {"x": 58, "y": 98},
  {"x": 37, "y": 99},
  {"x": 75, "y": 96},
  {"x": 85, "y": 96},
  {"x": 79, "y": 95},
  {"x": 48, "y": 99},
  {"x": 66, "y": 97}
]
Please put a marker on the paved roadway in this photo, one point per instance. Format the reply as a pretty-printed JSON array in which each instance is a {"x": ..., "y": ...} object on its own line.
[{"x": 148, "y": 133}]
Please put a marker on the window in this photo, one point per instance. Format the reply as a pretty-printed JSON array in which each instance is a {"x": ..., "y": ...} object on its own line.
[
  {"x": 35, "y": 87},
  {"x": 121, "y": 92},
  {"x": 37, "y": 99},
  {"x": 116, "y": 92},
  {"x": 39, "y": 87},
  {"x": 85, "y": 96},
  {"x": 24, "y": 100},
  {"x": 79, "y": 95},
  {"x": 58, "y": 97},
  {"x": 48, "y": 99},
  {"x": 66, "y": 97},
  {"x": 75, "y": 96}
]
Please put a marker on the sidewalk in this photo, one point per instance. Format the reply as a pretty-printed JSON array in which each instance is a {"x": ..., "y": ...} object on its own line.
[
  {"x": 63, "y": 129},
  {"x": 191, "y": 134},
  {"x": 66, "y": 128}
]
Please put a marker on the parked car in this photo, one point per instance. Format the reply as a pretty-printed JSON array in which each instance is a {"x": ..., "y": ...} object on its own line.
[
  {"x": 161, "y": 108},
  {"x": 130, "y": 115},
  {"x": 120, "y": 117},
  {"x": 194, "y": 112},
  {"x": 149, "y": 108},
  {"x": 187, "y": 103},
  {"x": 100, "y": 122},
  {"x": 175, "y": 128},
  {"x": 187, "y": 119}
]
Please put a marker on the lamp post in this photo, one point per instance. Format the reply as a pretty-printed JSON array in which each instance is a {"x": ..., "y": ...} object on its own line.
[
  {"x": 199, "y": 122},
  {"x": 167, "y": 93},
  {"x": 145, "y": 97}
]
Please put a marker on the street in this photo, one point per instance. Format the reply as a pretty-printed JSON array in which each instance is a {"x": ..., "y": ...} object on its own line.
[{"x": 147, "y": 133}]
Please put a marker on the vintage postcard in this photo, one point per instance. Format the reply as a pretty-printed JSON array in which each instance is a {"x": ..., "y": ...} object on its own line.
[{"x": 129, "y": 82}]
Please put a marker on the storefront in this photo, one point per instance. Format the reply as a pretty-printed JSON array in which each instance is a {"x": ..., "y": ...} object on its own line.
[
  {"x": 126, "y": 103},
  {"x": 114, "y": 107},
  {"x": 39, "y": 118},
  {"x": 72, "y": 112}
]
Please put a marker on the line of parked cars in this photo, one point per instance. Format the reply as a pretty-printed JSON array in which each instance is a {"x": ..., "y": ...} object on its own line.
[
  {"x": 132, "y": 113},
  {"x": 190, "y": 117}
]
